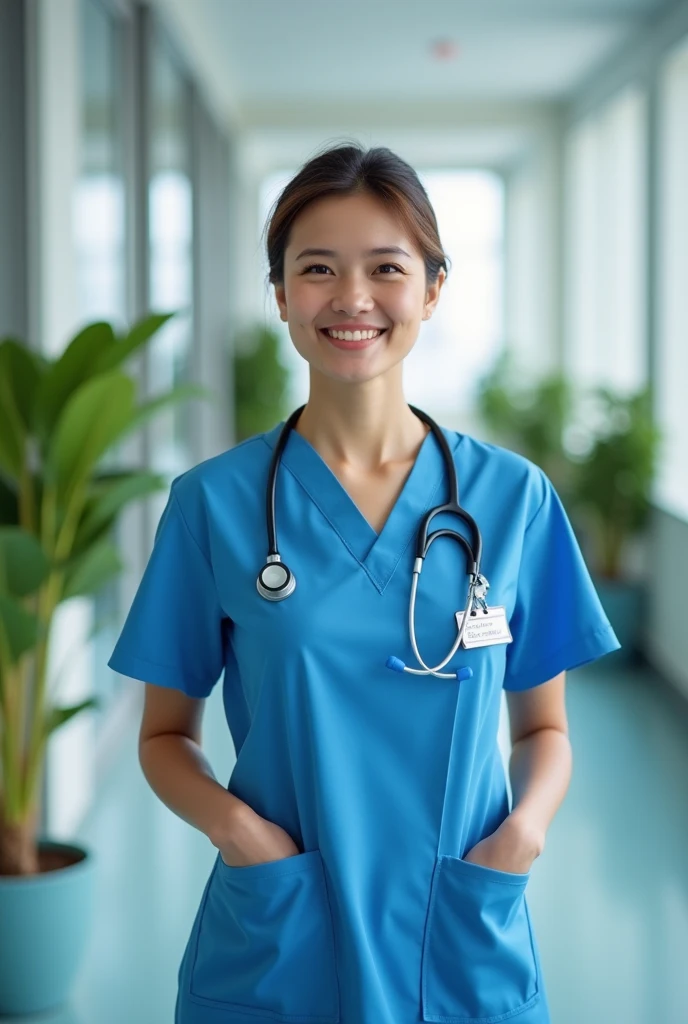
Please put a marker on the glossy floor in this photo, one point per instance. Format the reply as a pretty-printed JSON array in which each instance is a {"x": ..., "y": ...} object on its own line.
[{"x": 609, "y": 896}]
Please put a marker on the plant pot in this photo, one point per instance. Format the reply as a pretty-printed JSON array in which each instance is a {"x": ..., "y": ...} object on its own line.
[
  {"x": 45, "y": 920},
  {"x": 624, "y": 605}
]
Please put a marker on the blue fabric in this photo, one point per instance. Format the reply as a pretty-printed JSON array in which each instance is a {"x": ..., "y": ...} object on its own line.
[{"x": 383, "y": 779}]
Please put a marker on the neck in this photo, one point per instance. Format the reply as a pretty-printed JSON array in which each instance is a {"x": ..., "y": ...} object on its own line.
[{"x": 360, "y": 426}]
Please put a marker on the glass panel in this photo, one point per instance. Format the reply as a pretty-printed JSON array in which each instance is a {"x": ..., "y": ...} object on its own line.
[
  {"x": 100, "y": 244},
  {"x": 462, "y": 338},
  {"x": 671, "y": 489},
  {"x": 99, "y": 202},
  {"x": 606, "y": 232},
  {"x": 171, "y": 273}
]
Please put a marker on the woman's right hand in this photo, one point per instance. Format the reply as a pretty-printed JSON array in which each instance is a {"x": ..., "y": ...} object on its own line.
[{"x": 250, "y": 839}]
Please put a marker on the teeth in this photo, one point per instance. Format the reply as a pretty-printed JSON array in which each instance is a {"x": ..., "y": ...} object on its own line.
[{"x": 353, "y": 335}]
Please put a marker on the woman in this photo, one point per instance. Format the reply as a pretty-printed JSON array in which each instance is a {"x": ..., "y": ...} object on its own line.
[{"x": 369, "y": 868}]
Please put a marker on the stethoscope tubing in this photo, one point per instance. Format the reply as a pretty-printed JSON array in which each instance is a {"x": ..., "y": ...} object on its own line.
[{"x": 275, "y": 581}]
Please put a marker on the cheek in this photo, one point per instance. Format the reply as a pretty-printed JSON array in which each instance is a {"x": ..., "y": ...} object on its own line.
[
  {"x": 304, "y": 303},
  {"x": 406, "y": 307}
]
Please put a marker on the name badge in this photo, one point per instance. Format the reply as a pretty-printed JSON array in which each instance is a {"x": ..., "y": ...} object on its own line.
[{"x": 485, "y": 628}]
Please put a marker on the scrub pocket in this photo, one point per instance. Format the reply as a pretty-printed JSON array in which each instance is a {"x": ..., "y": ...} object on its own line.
[
  {"x": 264, "y": 941},
  {"x": 478, "y": 962}
]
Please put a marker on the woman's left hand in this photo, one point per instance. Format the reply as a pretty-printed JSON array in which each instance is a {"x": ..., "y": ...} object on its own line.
[{"x": 513, "y": 847}]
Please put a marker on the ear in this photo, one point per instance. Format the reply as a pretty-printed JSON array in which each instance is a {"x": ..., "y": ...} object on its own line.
[
  {"x": 432, "y": 295},
  {"x": 280, "y": 297}
]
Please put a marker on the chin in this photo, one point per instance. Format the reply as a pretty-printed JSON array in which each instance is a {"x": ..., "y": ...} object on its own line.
[{"x": 359, "y": 376}]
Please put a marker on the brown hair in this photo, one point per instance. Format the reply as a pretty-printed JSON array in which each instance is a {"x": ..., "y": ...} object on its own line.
[{"x": 349, "y": 170}]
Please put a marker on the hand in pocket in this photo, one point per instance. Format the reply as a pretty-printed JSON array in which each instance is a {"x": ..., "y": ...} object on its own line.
[
  {"x": 511, "y": 848},
  {"x": 255, "y": 840}
]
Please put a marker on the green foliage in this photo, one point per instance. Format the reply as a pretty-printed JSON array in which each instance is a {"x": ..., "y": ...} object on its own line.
[
  {"x": 530, "y": 416},
  {"x": 607, "y": 484},
  {"x": 260, "y": 381},
  {"x": 614, "y": 481},
  {"x": 58, "y": 508}
]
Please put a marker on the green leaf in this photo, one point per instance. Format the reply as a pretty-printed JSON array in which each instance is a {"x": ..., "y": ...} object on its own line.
[
  {"x": 92, "y": 570},
  {"x": 24, "y": 369},
  {"x": 9, "y": 503},
  {"x": 23, "y": 562},
  {"x": 93, "y": 419},
  {"x": 76, "y": 365},
  {"x": 259, "y": 380},
  {"x": 139, "y": 334},
  {"x": 58, "y": 716},
  {"x": 12, "y": 430},
  {"x": 108, "y": 498},
  {"x": 613, "y": 483},
  {"x": 22, "y": 628},
  {"x": 182, "y": 391}
]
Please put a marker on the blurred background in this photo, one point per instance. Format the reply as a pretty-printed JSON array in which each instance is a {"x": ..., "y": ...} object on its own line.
[{"x": 141, "y": 148}]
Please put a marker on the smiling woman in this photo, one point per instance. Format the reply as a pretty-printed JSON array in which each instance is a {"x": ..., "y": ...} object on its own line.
[
  {"x": 369, "y": 867},
  {"x": 390, "y": 299}
]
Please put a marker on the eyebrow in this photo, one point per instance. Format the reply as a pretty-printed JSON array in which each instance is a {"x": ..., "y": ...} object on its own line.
[{"x": 381, "y": 251}]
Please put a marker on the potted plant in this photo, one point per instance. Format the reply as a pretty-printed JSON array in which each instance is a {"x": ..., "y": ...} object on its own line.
[
  {"x": 611, "y": 495},
  {"x": 530, "y": 415},
  {"x": 604, "y": 482},
  {"x": 260, "y": 380},
  {"x": 58, "y": 417}
]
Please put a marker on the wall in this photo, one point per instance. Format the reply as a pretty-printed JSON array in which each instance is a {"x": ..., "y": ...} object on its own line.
[{"x": 665, "y": 636}]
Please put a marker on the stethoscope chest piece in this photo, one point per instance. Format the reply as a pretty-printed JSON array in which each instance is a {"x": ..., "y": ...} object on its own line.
[{"x": 275, "y": 580}]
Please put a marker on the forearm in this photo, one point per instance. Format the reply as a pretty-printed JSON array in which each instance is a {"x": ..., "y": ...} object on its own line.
[
  {"x": 540, "y": 771},
  {"x": 179, "y": 774}
]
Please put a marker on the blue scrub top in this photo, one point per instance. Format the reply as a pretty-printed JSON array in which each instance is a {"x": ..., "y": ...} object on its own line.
[{"x": 383, "y": 779}]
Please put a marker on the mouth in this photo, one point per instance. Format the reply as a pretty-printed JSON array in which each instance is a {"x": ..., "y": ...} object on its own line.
[{"x": 351, "y": 343}]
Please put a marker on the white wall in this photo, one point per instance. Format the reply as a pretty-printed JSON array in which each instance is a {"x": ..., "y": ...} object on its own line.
[{"x": 532, "y": 273}]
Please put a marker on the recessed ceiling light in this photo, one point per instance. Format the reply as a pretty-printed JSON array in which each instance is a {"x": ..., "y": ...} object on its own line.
[{"x": 444, "y": 49}]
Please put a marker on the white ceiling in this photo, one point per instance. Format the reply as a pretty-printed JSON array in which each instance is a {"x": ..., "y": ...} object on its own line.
[
  {"x": 333, "y": 65},
  {"x": 379, "y": 50}
]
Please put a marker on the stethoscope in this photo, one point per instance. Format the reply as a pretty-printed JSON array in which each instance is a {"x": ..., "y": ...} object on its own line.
[{"x": 276, "y": 581}]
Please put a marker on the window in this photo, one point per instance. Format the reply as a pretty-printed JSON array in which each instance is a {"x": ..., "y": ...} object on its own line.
[
  {"x": 99, "y": 224},
  {"x": 671, "y": 490},
  {"x": 605, "y": 220},
  {"x": 460, "y": 341},
  {"x": 99, "y": 210},
  {"x": 170, "y": 228}
]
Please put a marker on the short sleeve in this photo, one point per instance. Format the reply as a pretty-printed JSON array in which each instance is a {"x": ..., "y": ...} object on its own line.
[
  {"x": 173, "y": 633},
  {"x": 558, "y": 621}
]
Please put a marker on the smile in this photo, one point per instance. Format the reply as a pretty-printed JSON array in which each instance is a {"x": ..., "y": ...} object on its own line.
[{"x": 351, "y": 339}]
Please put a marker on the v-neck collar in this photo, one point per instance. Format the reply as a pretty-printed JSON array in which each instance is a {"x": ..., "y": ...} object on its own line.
[{"x": 377, "y": 553}]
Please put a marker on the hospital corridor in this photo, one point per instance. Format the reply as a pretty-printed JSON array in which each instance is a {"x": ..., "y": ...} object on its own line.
[{"x": 289, "y": 291}]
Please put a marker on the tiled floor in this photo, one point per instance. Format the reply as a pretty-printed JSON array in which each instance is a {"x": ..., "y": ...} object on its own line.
[{"x": 609, "y": 896}]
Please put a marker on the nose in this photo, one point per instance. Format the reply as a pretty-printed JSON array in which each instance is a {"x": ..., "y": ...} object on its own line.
[{"x": 353, "y": 296}]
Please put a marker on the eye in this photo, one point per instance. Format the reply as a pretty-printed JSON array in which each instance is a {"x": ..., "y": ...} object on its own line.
[{"x": 312, "y": 266}]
